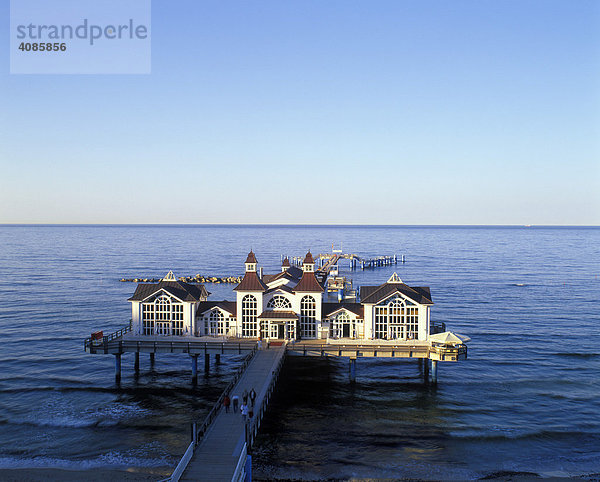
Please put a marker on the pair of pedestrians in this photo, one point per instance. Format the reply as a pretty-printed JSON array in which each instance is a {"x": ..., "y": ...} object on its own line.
[{"x": 251, "y": 396}]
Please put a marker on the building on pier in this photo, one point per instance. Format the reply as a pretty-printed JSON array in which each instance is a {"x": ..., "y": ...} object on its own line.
[
  {"x": 166, "y": 308},
  {"x": 288, "y": 305}
]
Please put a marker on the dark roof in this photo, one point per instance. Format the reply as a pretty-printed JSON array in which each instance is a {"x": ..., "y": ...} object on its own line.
[
  {"x": 179, "y": 289},
  {"x": 375, "y": 294},
  {"x": 251, "y": 258},
  {"x": 286, "y": 262},
  {"x": 251, "y": 282},
  {"x": 309, "y": 258},
  {"x": 282, "y": 288},
  {"x": 329, "y": 308},
  {"x": 278, "y": 315},
  {"x": 309, "y": 282},
  {"x": 291, "y": 273},
  {"x": 229, "y": 306}
]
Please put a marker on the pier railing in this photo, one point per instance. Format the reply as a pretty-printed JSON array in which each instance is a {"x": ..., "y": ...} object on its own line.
[
  {"x": 437, "y": 327},
  {"x": 91, "y": 344},
  {"x": 199, "y": 431},
  {"x": 253, "y": 426}
]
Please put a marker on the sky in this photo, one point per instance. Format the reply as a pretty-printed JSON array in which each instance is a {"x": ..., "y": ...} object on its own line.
[{"x": 319, "y": 112}]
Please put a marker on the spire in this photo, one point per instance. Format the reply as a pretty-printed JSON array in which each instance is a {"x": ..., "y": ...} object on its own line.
[{"x": 285, "y": 265}]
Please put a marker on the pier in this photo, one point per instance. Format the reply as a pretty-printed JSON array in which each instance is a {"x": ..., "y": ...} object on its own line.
[
  {"x": 273, "y": 316},
  {"x": 220, "y": 447},
  {"x": 327, "y": 261},
  {"x": 220, "y": 451}
]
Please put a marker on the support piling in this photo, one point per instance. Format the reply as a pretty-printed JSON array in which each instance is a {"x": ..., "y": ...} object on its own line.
[
  {"x": 117, "y": 367},
  {"x": 352, "y": 369}
]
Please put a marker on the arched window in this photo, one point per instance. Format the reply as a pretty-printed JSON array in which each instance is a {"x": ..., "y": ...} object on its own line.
[
  {"x": 163, "y": 316},
  {"x": 308, "y": 322},
  {"x": 398, "y": 319},
  {"x": 342, "y": 326},
  {"x": 211, "y": 326},
  {"x": 279, "y": 302},
  {"x": 162, "y": 308},
  {"x": 249, "y": 314}
]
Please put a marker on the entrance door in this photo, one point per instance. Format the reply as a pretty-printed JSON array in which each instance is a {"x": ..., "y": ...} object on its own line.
[
  {"x": 396, "y": 332},
  {"x": 346, "y": 330},
  {"x": 281, "y": 331},
  {"x": 163, "y": 328}
]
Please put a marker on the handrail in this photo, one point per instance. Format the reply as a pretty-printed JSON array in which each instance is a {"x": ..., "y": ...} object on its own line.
[
  {"x": 201, "y": 430},
  {"x": 87, "y": 343},
  {"x": 252, "y": 427},
  {"x": 336, "y": 346},
  {"x": 218, "y": 404}
]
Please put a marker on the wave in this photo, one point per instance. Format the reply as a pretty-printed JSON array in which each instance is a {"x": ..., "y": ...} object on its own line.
[
  {"x": 110, "y": 460},
  {"x": 577, "y": 355},
  {"x": 539, "y": 435}
]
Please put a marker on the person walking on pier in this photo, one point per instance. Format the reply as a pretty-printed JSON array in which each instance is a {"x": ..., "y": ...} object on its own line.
[
  {"x": 236, "y": 401},
  {"x": 226, "y": 403},
  {"x": 244, "y": 410},
  {"x": 252, "y": 397},
  {"x": 245, "y": 397}
]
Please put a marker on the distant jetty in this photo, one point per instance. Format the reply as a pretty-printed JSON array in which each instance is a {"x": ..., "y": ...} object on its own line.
[{"x": 189, "y": 279}]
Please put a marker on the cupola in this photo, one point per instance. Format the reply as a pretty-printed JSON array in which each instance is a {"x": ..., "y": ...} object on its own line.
[
  {"x": 309, "y": 263},
  {"x": 251, "y": 263}
]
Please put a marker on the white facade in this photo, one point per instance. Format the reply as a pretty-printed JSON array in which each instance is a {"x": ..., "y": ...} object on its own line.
[{"x": 270, "y": 307}]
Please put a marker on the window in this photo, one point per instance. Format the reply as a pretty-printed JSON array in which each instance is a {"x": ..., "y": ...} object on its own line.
[
  {"x": 249, "y": 314},
  {"x": 148, "y": 318},
  {"x": 177, "y": 319},
  {"x": 308, "y": 322},
  {"x": 398, "y": 319},
  {"x": 342, "y": 326},
  {"x": 162, "y": 316},
  {"x": 216, "y": 324},
  {"x": 279, "y": 302}
]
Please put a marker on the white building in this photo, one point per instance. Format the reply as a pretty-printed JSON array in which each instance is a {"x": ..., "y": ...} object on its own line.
[
  {"x": 287, "y": 305},
  {"x": 167, "y": 308}
]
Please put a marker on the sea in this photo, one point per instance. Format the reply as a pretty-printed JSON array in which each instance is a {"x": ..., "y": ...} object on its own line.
[{"x": 527, "y": 399}]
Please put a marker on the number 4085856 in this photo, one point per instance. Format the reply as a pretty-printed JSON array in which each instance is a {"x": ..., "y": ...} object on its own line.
[{"x": 43, "y": 47}]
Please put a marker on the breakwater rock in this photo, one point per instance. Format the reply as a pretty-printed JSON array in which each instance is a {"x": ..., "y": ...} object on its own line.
[{"x": 189, "y": 279}]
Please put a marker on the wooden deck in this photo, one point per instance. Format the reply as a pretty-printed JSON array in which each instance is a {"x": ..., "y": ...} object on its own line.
[{"x": 220, "y": 455}]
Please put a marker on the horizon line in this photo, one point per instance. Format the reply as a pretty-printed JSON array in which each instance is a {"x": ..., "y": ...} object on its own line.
[{"x": 292, "y": 225}]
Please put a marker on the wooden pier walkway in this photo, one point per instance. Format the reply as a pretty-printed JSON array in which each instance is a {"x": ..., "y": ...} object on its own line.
[{"x": 221, "y": 453}]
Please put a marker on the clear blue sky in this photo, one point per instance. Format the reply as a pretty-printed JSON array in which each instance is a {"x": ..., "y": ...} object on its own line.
[{"x": 366, "y": 112}]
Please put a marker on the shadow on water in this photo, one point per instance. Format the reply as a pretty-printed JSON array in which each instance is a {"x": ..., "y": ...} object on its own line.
[{"x": 319, "y": 422}]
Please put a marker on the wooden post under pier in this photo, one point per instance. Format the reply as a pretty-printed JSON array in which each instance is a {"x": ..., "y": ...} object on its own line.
[{"x": 118, "y": 367}]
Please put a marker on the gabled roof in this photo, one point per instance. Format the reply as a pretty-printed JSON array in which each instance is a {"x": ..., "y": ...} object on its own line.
[
  {"x": 285, "y": 288},
  {"x": 251, "y": 282},
  {"x": 375, "y": 294},
  {"x": 179, "y": 289},
  {"x": 293, "y": 274},
  {"x": 308, "y": 283},
  {"x": 286, "y": 263},
  {"x": 328, "y": 309},
  {"x": 228, "y": 306}
]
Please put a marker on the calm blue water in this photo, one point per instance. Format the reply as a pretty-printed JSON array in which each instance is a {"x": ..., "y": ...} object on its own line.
[{"x": 527, "y": 399}]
